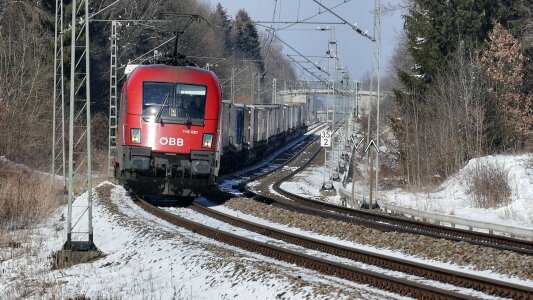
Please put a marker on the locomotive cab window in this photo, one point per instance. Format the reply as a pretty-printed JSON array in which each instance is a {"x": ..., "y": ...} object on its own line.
[
  {"x": 191, "y": 100},
  {"x": 174, "y": 103}
]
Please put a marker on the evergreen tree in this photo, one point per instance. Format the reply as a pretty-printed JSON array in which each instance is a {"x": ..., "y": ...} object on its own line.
[
  {"x": 435, "y": 28},
  {"x": 246, "y": 39},
  {"x": 223, "y": 23},
  {"x": 439, "y": 33}
]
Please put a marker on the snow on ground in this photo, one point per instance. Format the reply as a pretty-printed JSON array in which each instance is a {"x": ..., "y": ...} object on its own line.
[
  {"x": 309, "y": 182},
  {"x": 339, "y": 241},
  {"x": 147, "y": 258},
  {"x": 452, "y": 196}
]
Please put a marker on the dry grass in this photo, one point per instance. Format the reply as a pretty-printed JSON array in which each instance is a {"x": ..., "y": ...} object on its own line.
[
  {"x": 25, "y": 198},
  {"x": 488, "y": 185}
]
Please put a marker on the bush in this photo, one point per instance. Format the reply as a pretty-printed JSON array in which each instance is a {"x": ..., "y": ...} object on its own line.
[{"x": 488, "y": 185}]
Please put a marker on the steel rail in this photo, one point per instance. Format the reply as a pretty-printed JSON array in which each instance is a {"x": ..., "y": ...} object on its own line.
[
  {"x": 485, "y": 285},
  {"x": 385, "y": 282},
  {"x": 383, "y": 221},
  {"x": 394, "y": 223}
]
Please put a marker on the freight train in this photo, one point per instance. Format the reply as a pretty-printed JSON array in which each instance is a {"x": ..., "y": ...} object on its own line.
[
  {"x": 175, "y": 133},
  {"x": 249, "y": 132}
]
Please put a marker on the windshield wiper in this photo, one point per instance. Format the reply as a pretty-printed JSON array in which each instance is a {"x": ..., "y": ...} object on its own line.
[
  {"x": 188, "y": 115},
  {"x": 158, "y": 118}
]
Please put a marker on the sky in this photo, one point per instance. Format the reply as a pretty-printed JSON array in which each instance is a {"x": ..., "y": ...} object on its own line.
[{"x": 355, "y": 51}]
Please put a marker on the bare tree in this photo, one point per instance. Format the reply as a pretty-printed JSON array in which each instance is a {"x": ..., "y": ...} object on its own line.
[{"x": 25, "y": 118}]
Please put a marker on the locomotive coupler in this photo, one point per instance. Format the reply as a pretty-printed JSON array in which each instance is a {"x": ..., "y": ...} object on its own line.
[{"x": 168, "y": 176}]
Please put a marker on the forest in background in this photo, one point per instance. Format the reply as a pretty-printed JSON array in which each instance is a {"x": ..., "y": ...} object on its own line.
[
  {"x": 462, "y": 74},
  {"x": 27, "y": 53},
  {"x": 464, "y": 85}
]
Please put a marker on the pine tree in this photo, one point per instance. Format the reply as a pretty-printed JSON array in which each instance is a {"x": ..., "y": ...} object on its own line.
[
  {"x": 246, "y": 39},
  {"x": 435, "y": 28},
  {"x": 438, "y": 33},
  {"x": 223, "y": 23}
]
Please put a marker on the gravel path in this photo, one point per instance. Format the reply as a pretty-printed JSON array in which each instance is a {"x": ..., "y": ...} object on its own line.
[{"x": 459, "y": 253}]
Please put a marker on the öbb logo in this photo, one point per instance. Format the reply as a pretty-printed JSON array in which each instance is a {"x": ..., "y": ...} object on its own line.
[{"x": 171, "y": 141}]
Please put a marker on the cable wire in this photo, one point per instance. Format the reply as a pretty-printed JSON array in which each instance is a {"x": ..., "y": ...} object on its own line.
[
  {"x": 310, "y": 17},
  {"x": 272, "y": 37}
]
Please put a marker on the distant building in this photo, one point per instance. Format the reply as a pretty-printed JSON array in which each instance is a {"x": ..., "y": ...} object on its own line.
[{"x": 365, "y": 101}]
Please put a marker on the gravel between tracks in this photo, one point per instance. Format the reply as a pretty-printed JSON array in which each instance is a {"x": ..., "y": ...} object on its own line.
[
  {"x": 241, "y": 268},
  {"x": 462, "y": 254}
]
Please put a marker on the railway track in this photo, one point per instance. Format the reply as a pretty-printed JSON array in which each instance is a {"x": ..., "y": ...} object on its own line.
[
  {"x": 372, "y": 219},
  {"x": 397, "y": 285},
  {"x": 279, "y": 160},
  {"x": 400, "y": 286},
  {"x": 485, "y": 285}
]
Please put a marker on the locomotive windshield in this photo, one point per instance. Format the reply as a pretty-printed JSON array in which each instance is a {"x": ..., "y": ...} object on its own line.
[{"x": 174, "y": 103}]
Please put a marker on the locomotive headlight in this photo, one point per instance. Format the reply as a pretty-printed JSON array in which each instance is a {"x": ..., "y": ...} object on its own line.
[
  {"x": 135, "y": 135},
  {"x": 207, "y": 140}
]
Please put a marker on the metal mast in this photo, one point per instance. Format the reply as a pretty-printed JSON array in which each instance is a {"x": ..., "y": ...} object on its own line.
[
  {"x": 354, "y": 112},
  {"x": 58, "y": 118},
  {"x": 79, "y": 219},
  {"x": 335, "y": 142},
  {"x": 377, "y": 18},
  {"x": 113, "y": 92},
  {"x": 252, "y": 88},
  {"x": 376, "y": 59},
  {"x": 330, "y": 151},
  {"x": 274, "y": 91}
]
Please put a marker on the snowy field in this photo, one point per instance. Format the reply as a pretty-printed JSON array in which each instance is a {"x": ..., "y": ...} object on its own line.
[
  {"x": 146, "y": 258},
  {"x": 451, "y": 197}
]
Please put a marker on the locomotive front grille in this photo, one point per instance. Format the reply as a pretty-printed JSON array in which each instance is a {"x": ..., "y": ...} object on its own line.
[{"x": 141, "y": 163}]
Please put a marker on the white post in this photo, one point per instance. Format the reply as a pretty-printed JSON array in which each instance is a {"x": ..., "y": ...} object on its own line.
[{"x": 232, "y": 85}]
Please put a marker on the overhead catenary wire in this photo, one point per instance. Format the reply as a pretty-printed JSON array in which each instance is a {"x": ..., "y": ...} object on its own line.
[
  {"x": 271, "y": 37},
  {"x": 308, "y": 71},
  {"x": 312, "y": 16},
  {"x": 355, "y": 28},
  {"x": 146, "y": 53},
  {"x": 103, "y": 9},
  {"x": 321, "y": 69},
  {"x": 300, "y": 22},
  {"x": 286, "y": 44}
]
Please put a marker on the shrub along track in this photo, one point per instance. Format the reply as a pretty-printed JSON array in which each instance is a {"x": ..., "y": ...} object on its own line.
[
  {"x": 381, "y": 281},
  {"x": 372, "y": 219}
]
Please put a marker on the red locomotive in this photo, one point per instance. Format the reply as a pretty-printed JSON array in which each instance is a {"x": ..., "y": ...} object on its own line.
[{"x": 168, "y": 131}]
